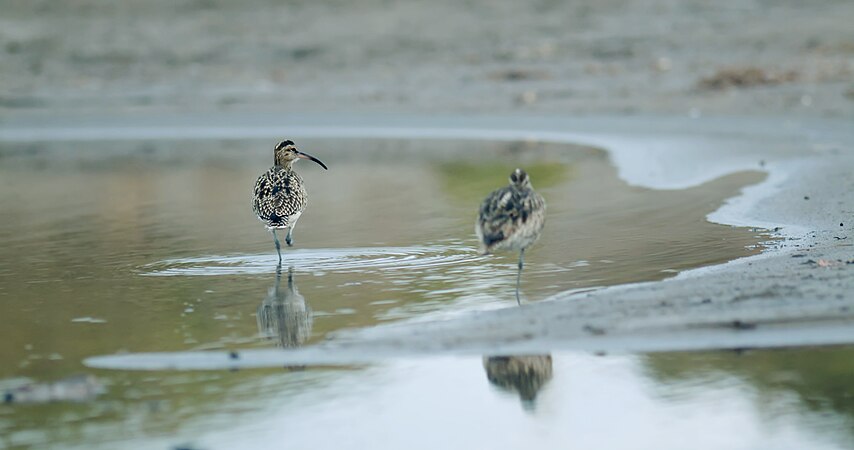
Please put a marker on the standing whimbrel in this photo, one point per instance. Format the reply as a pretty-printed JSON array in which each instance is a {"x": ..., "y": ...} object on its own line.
[
  {"x": 511, "y": 218},
  {"x": 280, "y": 195}
]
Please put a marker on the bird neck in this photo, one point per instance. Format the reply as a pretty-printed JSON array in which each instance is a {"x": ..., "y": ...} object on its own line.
[{"x": 287, "y": 165}]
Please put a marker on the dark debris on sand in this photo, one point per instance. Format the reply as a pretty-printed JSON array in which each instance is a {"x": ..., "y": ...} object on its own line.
[{"x": 743, "y": 77}]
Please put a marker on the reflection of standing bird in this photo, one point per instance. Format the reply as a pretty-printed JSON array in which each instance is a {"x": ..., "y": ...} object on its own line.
[
  {"x": 284, "y": 314},
  {"x": 525, "y": 374},
  {"x": 511, "y": 218},
  {"x": 280, "y": 196}
]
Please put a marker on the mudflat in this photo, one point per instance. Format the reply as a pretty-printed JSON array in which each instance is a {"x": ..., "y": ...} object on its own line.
[{"x": 605, "y": 57}]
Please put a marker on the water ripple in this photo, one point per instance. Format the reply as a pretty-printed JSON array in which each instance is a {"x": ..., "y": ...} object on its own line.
[{"x": 342, "y": 260}]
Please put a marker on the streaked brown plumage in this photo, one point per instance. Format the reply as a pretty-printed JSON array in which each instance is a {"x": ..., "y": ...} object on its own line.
[
  {"x": 511, "y": 218},
  {"x": 280, "y": 196}
]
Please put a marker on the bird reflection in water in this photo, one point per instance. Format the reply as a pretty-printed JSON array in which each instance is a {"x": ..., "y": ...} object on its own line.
[
  {"x": 284, "y": 315},
  {"x": 524, "y": 374}
]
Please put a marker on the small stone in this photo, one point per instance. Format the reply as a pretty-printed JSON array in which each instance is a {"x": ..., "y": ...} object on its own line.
[
  {"x": 739, "y": 325},
  {"x": 662, "y": 64},
  {"x": 594, "y": 330},
  {"x": 527, "y": 98}
]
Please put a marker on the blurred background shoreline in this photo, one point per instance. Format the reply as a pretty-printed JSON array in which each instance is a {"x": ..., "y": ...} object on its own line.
[{"x": 610, "y": 57}]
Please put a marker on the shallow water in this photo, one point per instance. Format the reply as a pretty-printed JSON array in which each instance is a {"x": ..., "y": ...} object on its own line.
[
  {"x": 152, "y": 246},
  {"x": 755, "y": 400}
]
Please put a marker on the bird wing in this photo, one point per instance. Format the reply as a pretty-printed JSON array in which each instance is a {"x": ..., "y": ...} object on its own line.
[
  {"x": 497, "y": 216},
  {"x": 279, "y": 195}
]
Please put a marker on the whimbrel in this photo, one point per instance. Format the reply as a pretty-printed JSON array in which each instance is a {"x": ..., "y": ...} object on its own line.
[
  {"x": 280, "y": 195},
  {"x": 525, "y": 374},
  {"x": 511, "y": 218}
]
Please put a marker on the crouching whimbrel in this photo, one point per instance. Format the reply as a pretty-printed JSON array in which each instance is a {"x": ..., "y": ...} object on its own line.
[
  {"x": 280, "y": 195},
  {"x": 511, "y": 218}
]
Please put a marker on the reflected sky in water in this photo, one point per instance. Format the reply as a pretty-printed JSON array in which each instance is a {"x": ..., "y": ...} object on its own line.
[{"x": 589, "y": 402}]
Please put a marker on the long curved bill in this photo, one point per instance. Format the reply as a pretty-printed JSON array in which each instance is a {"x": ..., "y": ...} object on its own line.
[{"x": 312, "y": 158}]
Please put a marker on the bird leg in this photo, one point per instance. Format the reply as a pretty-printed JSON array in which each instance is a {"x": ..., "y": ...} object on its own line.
[
  {"x": 278, "y": 246},
  {"x": 288, "y": 239},
  {"x": 278, "y": 275},
  {"x": 519, "y": 275}
]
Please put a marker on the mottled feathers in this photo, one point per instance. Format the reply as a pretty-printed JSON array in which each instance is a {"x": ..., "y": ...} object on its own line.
[
  {"x": 512, "y": 217},
  {"x": 280, "y": 197}
]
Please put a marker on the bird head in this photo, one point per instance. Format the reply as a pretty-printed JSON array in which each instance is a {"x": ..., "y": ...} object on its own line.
[
  {"x": 286, "y": 153},
  {"x": 520, "y": 179}
]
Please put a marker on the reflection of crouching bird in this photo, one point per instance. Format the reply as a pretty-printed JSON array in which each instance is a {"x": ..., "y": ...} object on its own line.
[
  {"x": 523, "y": 374},
  {"x": 284, "y": 314},
  {"x": 511, "y": 218}
]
